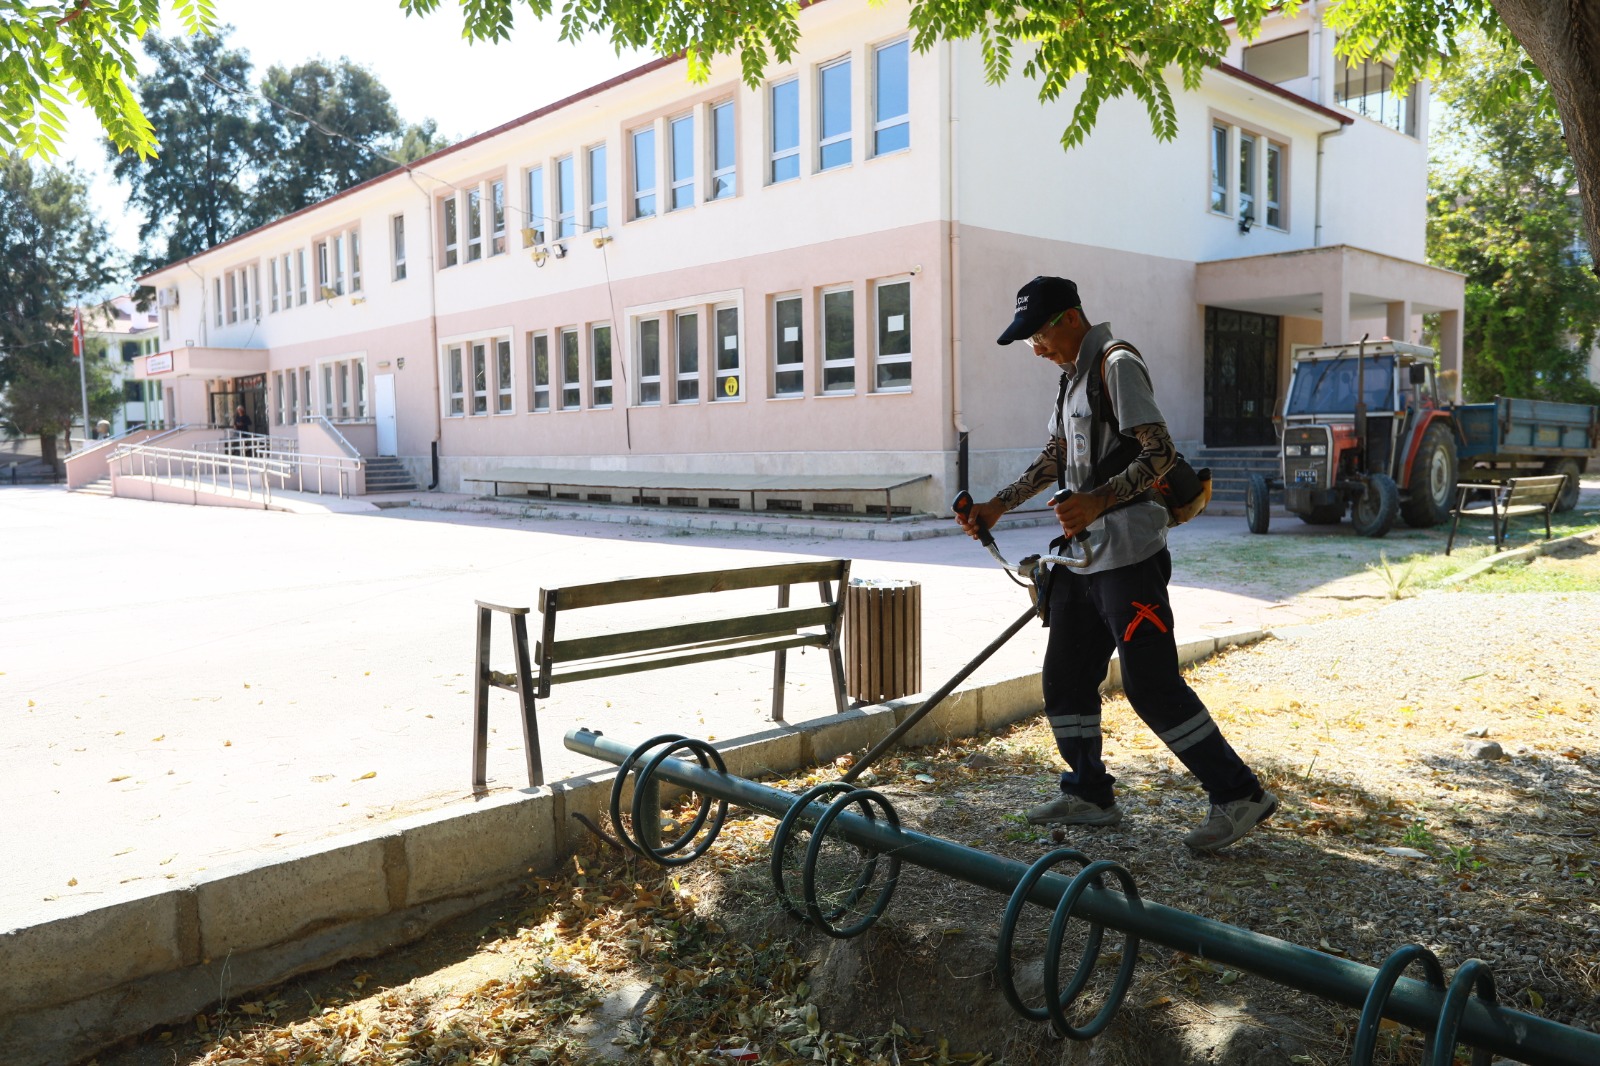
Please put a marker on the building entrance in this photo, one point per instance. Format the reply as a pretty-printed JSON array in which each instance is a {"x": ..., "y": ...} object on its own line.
[
  {"x": 248, "y": 392},
  {"x": 1241, "y": 378}
]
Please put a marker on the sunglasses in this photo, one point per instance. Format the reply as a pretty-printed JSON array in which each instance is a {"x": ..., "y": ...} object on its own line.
[{"x": 1034, "y": 341}]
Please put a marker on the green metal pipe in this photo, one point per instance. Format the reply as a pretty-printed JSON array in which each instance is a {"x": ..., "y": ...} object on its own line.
[{"x": 1523, "y": 1037}]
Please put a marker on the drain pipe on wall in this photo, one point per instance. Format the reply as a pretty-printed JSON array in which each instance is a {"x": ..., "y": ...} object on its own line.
[
  {"x": 433, "y": 330},
  {"x": 952, "y": 275}
]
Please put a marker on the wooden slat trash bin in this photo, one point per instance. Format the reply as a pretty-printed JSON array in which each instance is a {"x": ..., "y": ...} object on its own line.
[{"x": 882, "y": 639}]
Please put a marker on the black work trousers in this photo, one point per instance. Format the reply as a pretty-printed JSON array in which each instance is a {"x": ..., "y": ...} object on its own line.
[{"x": 1127, "y": 610}]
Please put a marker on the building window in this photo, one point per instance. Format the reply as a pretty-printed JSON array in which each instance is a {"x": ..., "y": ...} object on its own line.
[
  {"x": 597, "y": 187},
  {"x": 474, "y": 224},
  {"x": 355, "y": 260},
  {"x": 327, "y": 391},
  {"x": 839, "y": 340},
  {"x": 451, "y": 234},
  {"x": 1219, "y": 169},
  {"x": 1281, "y": 60},
  {"x": 893, "y": 335},
  {"x": 785, "y": 116},
  {"x": 293, "y": 407},
  {"x": 600, "y": 366},
  {"x": 497, "y": 217},
  {"x": 288, "y": 283},
  {"x": 722, "y": 151},
  {"x": 1247, "y": 177},
  {"x": 728, "y": 378},
  {"x": 570, "y": 394},
  {"x": 216, "y": 298},
  {"x": 535, "y": 232},
  {"x": 480, "y": 378},
  {"x": 272, "y": 281},
  {"x": 453, "y": 367},
  {"x": 686, "y": 335},
  {"x": 341, "y": 373},
  {"x": 833, "y": 115},
  {"x": 1274, "y": 185},
  {"x": 358, "y": 368},
  {"x": 644, "y": 172},
  {"x": 566, "y": 204},
  {"x": 539, "y": 375},
  {"x": 649, "y": 370},
  {"x": 397, "y": 240},
  {"x": 305, "y": 394},
  {"x": 255, "y": 292},
  {"x": 788, "y": 370},
  {"x": 681, "y": 131},
  {"x": 338, "y": 264},
  {"x": 300, "y": 279},
  {"x": 1367, "y": 88},
  {"x": 891, "y": 98},
  {"x": 233, "y": 298},
  {"x": 502, "y": 376}
]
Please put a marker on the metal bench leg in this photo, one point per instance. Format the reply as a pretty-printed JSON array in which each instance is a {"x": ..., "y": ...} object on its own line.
[
  {"x": 480, "y": 704},
  {"x": 530, "y": 723},
  {"x": 835, "y": 660},
  {"x": 780, "y": 661}
]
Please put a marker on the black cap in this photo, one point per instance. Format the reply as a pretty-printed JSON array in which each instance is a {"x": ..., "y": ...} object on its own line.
[{"x": 1038, "y": 302}]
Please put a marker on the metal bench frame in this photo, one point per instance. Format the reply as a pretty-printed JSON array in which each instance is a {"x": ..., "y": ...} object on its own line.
[
  {"x": 703, "y": 639},
  {"x": 1515, "y": 498}
]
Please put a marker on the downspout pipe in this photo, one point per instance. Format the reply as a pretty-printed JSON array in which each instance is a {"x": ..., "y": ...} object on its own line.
[
  {"x": 952, "y": 272},
  {"x": 433, "y": 330}
]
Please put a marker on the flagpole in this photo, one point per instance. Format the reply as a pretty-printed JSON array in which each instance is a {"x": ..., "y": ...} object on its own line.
[{"x": 83, "y": 377}]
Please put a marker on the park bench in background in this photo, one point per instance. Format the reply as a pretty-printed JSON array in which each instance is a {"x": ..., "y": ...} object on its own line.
[
  {"x": 696, "y": 636},
  {"x": 1519, "y": 497}
]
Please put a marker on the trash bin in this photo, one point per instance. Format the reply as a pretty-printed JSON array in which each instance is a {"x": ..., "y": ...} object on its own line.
[{"x": 882, "y": 639}]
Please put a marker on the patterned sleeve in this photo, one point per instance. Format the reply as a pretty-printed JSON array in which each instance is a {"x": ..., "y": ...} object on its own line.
[
  {"x": 1038, "y": 477},
  {"x": 1156, "y": 456}
]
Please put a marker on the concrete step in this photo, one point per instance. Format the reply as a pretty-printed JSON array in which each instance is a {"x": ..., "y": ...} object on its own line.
[
  {"x": 97, "y": 488},
  {"x": 385, "y": 473}
]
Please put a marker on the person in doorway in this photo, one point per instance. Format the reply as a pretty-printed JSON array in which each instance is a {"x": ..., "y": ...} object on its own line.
[
  {"x": 241, "y": 426},
  {"x": 1118, "y": 602}
]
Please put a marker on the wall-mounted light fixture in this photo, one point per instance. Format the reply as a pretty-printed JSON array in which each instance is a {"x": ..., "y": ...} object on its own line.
[
  {"x": 601, "y": 242},
  {"x": 1246, "y": 220},
  {"x": 558, "y": 250}
]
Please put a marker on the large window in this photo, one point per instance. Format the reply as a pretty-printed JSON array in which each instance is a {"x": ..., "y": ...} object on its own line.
[
  {"x": 644, "y": 172},
  {"x": 893, "y": 335},
  {"x": 838, "y": 340},
  {"x": 785, "y": 119},
  {"x": 539, "y": 371},
  {"x": 891, "y": 98},
  {"x": 216, "y": 298},
  {"x": 536, "y": 217},
  {"x": 497, "y": 217},
  {"x": 474, "y": 224},
  {"x": 272, "y": 280},
  {"x": 288, "y": 283},
  {"x": 480, "y": 378},
  {"x": 571, "y": 389},
  {"x": 566, "y": 198},
  {"x": 597, "y": 187},
  {"x": 1367, "y": 88},
  {"x": 397, "y": 240},
  {"x": 355, "y": 261},
  {"x": 722, "y": 151},
  {"x": 452, "y": 238},
  {"x": 833, "y": 115},
  {"x": 681, "y": 131},
  {"x": 600, "y": 366},
  {"x": 648, "y": 371},
  {"x": 1219, "y": 169},
  {"x": 300, "y": 275},
  {"x": 502, "y": 376},
  {"x": 1247, "y": 177},
  {"x": 729, "y": 379},
  {"x": 788, "y": 348},
  {"x": 453, "y": 372},
  {"x": 1275, "y": 185},
  {"x": 233, "y": 297},
  {"x": 686, "y": 336}
]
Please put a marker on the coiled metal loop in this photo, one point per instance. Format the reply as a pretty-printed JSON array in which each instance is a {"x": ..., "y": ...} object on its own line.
[
  {"x": 864, "y": 798},
  {"x": 669, "y": 743},
  {"x": 1366, "y": 1042},
  {"x": 1055, "y": 998},
  {"x": 1013, "y": 914},
  {"x": 1474, "y": 976},
  {"x": 780, "y": 841}
]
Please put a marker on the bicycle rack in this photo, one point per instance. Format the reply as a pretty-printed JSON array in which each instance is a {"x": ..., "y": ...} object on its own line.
[{"x": 1465, "y": 1010}]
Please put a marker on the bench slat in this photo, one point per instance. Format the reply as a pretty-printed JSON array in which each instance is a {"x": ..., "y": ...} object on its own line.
[
  {"x": 700, "y": 655},
  {"x": 665, "y": 638},
  {"x": 629, "y": 590}
]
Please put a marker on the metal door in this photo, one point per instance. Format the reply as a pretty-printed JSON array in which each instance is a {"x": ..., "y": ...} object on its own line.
[
  {"x": 383, "y": 414},
  {"x": 1241, "y": 378}
]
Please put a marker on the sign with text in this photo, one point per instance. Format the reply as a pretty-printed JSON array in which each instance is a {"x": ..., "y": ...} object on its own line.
[{"x": 159, "y": 363}]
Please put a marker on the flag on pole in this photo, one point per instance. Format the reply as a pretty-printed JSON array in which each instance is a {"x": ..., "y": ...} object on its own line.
[{"x": 77, "y": 333}]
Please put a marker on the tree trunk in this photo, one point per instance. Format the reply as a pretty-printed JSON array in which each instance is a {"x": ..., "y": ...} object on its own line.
[
  {"x": 49, "y": 456},
  {"x": 1562, "y": 37}
]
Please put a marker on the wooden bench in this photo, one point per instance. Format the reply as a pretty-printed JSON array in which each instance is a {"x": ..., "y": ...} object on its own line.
[
  {"x": 702, "y": 638},
  {"x": 1517, "y": 498}
]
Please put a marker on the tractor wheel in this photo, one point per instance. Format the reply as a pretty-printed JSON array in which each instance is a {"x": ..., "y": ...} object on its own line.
[
  {"x": 1257, "y": 504},
  {"x": 1569, "y": 491},
  {"x": 1324, "y": 514},
  {"x": 1375, "y": 510},
  {"x": 1433, "y": 480}
]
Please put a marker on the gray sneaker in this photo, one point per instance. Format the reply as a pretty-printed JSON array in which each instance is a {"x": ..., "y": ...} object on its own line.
[
  {"x": 1230, "y": 821},
  {"x": 1067, "y": 809}
]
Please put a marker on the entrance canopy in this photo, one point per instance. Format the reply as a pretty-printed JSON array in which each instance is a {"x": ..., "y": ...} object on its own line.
[{"x": 208, "y": 363}]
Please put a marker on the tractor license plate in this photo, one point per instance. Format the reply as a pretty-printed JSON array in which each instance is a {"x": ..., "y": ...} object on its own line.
[{"x": 1305, "y": 477}]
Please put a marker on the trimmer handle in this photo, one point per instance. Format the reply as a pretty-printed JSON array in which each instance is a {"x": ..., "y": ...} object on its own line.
[{"x": 961, "y": 506}]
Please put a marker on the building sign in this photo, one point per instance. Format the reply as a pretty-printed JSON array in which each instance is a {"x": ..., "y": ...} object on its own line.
[
  {"x": 253, "y": 383},
  {"x": 159, "y": 363}
]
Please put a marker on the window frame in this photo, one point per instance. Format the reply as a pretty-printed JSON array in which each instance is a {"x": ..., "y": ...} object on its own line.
[
  {"x": 566, "y": 192},
  {"x": 538, "y": 227},
  {"x": 882, "y": 123},
  {"x": 795, "y": 367},
  {"x": 504, "y": 377},
  {"x": 450, "y": 229},
  {"x": 397, "y": 246},
  {"x": 474, "y": 214},
  {"x": 680, "y": 184},
  {"x": 571, "y": 375},
  {"x": 638, "y": 160},
  {"x": 880, "y": 359},
  {"x": 687, "y": 375},
  {"x": 715, "y": 187},
  {"x": 832, "y": 364},
  {"x": 597, "y": 211},
  {"x": 538, "y": 390},
  {"x": 788, "y": 153},
  {"x": 646, "y": 381},
  {"x": 846, "y": 137},
  {"x": 497, "y": 217},
  {"x": 601, "y": 390},
  {"x": 734, "y": 372}
]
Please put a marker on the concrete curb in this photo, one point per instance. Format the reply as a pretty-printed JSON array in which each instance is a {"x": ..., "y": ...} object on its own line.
[
  {"x": 79, "y": 983},
  {"x": 1527, "y": 551}
]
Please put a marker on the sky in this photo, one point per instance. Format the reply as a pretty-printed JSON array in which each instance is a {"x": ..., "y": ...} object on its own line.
[{"x": 429, "y": 70}]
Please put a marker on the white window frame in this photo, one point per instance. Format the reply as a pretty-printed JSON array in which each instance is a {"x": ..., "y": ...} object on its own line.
[
  {"x": 881, "y": 359},
  {"x": 601, "y": 393},
  {"x": 538, "y": 393},
  {"x": 722, "y": 375},
  {"x": 794, "y": 369},
  {"x": 686, "y": 379},
  {"x": 474, "y": 223},
  {"x": 455, "y": 380},
  {"x": 233, "y": 297},
  {"x": 324, "y": 270},
  {"x": 825, "y": 140},
  {"x": 292, "y": 404},
  {"x": 497, "y": 217},
  {"x": 538, "y": 221},
  {"x": 397, "y": 246},
  {"x": 504, "y": 402},
  {"x": 647, "y": 381},
  {"x": 478, "y": 377},
  {"x": 785, "y": 154},
  {"x": 724, "y": 181},
  {"x": 1272, "y": 184},
  {"x": 1221, "y": 162},
  {"x": 216, "y": 297},
  {"x": 566, "y": 196},
  {"x": 681, "y": 195},
  {"x": 833, "y": 364},
  {"x": 305, "y": 394},
  {"x": 882, "y": 123},
  {"x": 598, "y": 212},
  {"x": 300, "y": 276},
  {"x": 571, "y": 395},
  {"x": 254, "y": 302},
  {"x": 272, "y": 281},
  {"x": 644, "y": 195},
  {"x": 1248, "y": 163},
  {"x": 450, "y": 229},
  {"x": 353, "y": 246}
]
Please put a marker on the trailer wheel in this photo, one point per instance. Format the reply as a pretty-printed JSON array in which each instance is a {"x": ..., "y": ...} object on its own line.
[
  {"x": 1569, "y": 492},
  {"x": 1375, "y": 510},
  {"x": 1433, "y": 480},
  {"x": 1257, "y": 504}
]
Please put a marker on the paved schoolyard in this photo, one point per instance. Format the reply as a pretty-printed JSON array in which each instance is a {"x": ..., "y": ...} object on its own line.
[{"x": 182, "y": 687}]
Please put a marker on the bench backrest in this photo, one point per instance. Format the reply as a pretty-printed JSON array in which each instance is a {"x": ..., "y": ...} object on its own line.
[
  {"x": 690, "y": 641},
  {"x": 1534, "y": 491}
]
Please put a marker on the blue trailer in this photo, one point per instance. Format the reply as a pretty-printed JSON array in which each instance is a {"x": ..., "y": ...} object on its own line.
[{"x": 1508, "y": 438}]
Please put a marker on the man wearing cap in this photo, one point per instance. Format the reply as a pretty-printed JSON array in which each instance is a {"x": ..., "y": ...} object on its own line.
[{"x": 1119, "y": 601}]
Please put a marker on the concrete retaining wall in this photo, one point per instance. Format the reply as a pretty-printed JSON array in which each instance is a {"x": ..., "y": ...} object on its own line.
[{"x": 74, "y": 985}]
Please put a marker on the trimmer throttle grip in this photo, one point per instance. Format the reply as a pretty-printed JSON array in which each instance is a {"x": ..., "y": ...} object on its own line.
[{"x": 962, "y": 505}]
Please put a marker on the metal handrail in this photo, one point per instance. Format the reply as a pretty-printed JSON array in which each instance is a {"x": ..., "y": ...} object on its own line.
[
  {"x": 201, "y": 469},
  {"x": 298, "y": 471},
  {"x": 339, "y": 438}
]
